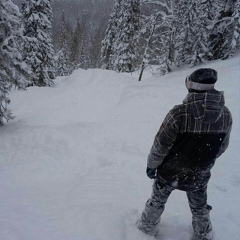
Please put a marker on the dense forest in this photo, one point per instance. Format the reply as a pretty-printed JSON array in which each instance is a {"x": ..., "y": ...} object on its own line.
[
  {"x": 42, "y": 39},
  {"x": 170, "y": 33},
  {"x": 92, "y": 15},
  {"x": 165, "y": 32}
]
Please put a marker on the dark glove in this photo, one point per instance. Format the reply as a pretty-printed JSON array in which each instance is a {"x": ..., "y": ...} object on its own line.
[{"x": 151, "y": 173}]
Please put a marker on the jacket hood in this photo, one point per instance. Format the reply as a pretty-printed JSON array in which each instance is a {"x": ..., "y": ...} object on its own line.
[{"x": 207, "y": 106}]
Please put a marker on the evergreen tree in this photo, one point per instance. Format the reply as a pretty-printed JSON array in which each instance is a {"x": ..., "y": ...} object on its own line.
[
  {"x": 76, "y": 45},
  {"x": 85, "y": 54},
  {"x": 63, "y": 32},
  {"x": 38, "y": 48},
  {"x": 86, "y": 44},
  {"x": 167, "y": 38},
  {"x": 110, "y": 36},
  {"x": 96, "y": 46},
  {"x": 235, "y": 31},
  {"x": 191, "y": 19},
  {"x": 147, "y": 34},
  {"x": 125, "y": 46},
  {"x": 183, "y": 24},
  {"x": 221, "y": 28},
  {"x": 236, "y": 28},
  {"x": 198, "y": 33},
  {"x": 62, "y": 65},
  {"x": 13, "y": 70},
  {"x": 161, "y": 44},
  {"x": 62, "y": 58}
]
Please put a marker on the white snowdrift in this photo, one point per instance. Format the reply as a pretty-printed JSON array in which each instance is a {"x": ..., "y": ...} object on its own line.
[{"x": 72, "y": 164}]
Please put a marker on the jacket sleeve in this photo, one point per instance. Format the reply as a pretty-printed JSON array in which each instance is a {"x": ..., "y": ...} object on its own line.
[
  {"x": 225, "y": 142},
  {"x": 163, "y": 141}
]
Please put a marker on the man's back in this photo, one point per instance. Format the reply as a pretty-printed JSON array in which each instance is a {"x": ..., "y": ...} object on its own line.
[
  {"x": 202, "y": 126},
  {"x": 185, "y": 148}
]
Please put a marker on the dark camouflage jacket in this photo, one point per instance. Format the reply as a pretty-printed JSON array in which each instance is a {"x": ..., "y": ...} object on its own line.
[{"x": 190, "y": 139}]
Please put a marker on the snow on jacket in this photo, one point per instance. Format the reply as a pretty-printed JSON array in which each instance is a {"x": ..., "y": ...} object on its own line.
[{"x": 190, "y": 139}]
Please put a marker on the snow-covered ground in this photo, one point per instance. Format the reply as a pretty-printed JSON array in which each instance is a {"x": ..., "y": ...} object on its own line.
[{"x": 72, "y": 164}]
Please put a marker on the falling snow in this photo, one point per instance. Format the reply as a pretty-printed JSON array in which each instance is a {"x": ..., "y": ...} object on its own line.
[{"x": 73, "y": 161}]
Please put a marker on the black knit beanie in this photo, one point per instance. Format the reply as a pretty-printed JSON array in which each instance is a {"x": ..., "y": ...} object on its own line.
[
  {"x": 202, "y": 79},
  {"x": 204, "y": 75}
]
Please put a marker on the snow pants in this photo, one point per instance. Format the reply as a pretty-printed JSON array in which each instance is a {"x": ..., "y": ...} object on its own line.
[{"x": 150, "y": 219}]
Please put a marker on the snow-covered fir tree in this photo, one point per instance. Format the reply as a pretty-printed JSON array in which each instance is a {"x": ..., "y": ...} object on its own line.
[
  {"x": 147, "y": 34},
  {"x": 235, "y": 43},
  {"x": 167, "y": 36},
  {"x": 85, "y": 54},
  {"x": 80, "y": 45},
  {"x": 182, "y": 13},
  {"x": 221, "y": 28},
  {"x": 234, "y": 32},
  {"x": 191, "y": 19},
  {"x": 63, "y": 32},
  {"x": 76, "y": 45},
  {"x": 96, "y": 46},
  {"x": 38, "y": 48},
  {"x": 62, "y": 57},
  {"x": 125, "y": 46},
  {"x": 13, "y": 71},
  {"x": 110, "y": 36},
  {"x": 85, "y": 51},
  {"x": 198, "y": 33},
  {"x": 62, "y": 65},
  {"x": 159, "y": 49}
]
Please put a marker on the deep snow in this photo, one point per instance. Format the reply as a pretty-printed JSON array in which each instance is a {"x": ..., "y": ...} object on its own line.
[{"x": 72, "y": 164}]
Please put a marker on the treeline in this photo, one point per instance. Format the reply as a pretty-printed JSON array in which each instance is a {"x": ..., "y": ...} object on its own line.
[
  {"x": 78, "y": 46},
  {"x": 78, "y": 29},
  {"x": 165, "y": 33},
  {"x": 170, "y": 33},
  {"x": 26, "y": 50},
  {"x": 77, "y": 23},
  {"x": 28, "y": 56}
]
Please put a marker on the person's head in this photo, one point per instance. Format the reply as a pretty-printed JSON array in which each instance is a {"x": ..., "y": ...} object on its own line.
[{"x": 201, "y": 80}]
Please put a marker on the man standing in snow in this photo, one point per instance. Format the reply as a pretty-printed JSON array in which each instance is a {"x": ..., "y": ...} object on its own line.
[{"x": 190, "y": 139}]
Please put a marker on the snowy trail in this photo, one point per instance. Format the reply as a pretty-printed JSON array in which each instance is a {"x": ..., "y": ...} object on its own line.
[{"x": 72, "y": 164}]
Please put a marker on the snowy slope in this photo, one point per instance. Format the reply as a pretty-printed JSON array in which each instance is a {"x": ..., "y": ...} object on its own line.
[{"x": 72, "y": 164}]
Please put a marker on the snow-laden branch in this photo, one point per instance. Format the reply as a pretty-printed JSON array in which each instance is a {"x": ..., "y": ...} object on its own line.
[{"x": 156, "y": 2}]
